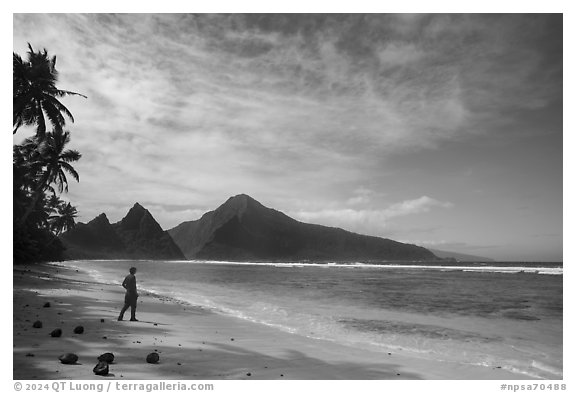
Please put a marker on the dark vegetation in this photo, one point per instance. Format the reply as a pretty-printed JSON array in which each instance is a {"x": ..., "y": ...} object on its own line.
[{"x": 41, "y": 163}]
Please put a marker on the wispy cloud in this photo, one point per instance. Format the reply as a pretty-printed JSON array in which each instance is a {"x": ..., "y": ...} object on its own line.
[
  {"x": 298, "y": 110},
  {"x": 370, "y": 220}
]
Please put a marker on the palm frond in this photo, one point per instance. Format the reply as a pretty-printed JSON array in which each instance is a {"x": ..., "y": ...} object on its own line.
[
  {"x": 59, "y": 106},
  {"x": 63, "y": 93},
  {"x": 41, "y": 129},
  {"x": 62, "y": 182},
  {"x": 70, "y": 156},
  {"x": 53, "y": 114},
  {"x": 68, "y": 168}
]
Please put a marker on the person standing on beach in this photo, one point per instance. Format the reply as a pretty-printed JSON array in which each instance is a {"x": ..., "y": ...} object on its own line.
[{"x": 131, "y": 295}]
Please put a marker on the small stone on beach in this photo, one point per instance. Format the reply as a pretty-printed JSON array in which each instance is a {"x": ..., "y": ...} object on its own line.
[
  {"x": 102, "y": 320},
  {"x": 37, "y": 324},
  {"x": 107, "y": 357},
  {"x": 46, "y": 305},
  {"x": 29, "y": 355},
  {"x": 68, "y": 358},
  {"x": 56, "y": 333},
  {"x": 249, "y": 374},
  {"x": 79, "y": 329},
  {"x": 153, "y": 358},
  {"x": 101, "y": 368}
]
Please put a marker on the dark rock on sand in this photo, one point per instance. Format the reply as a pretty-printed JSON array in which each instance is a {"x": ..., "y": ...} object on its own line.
[
  {"x": 153, "y": 357},
  {"x": 56, "y": 333},
  {"x": 46, "y": 305},
  {"x": 107, "y": 357},
  {"x": 101, "y": 368},
  {"x": 68, "y": 358},
  {"x": 79, "y": 329},
  {"x": 37, "y": 324}
]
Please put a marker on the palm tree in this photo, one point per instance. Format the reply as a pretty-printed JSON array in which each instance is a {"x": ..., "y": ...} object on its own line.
[
  {"x": 40, "y": 163},
  {"x": 25, "y": 174},
  {"x": 26, "y": 162},
  {"x": 35, "y": 93},
  {"x": 54, "y": 162},
  {"x": 53, "y": 203},
  {"x": 65, "y": 218}
]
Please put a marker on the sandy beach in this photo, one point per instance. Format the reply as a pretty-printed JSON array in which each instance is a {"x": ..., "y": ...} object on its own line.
[{"x": 192, "y": 342}]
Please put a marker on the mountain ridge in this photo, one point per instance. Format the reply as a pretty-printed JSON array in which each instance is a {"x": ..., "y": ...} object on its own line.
[
  {"x": 137, "y": 235},
  {"x": 244, "y": 229}
]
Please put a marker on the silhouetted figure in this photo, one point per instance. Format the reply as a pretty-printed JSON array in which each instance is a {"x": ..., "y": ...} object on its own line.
[{"x": 131, "y": 295}]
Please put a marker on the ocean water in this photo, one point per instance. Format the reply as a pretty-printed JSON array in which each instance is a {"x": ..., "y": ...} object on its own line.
[{"x": 505, "y": 315}]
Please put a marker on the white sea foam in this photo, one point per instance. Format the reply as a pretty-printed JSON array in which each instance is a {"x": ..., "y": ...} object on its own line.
[{"x": 476, "y": 269}]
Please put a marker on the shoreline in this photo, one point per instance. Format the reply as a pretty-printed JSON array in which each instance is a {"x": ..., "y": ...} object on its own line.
[{"x": 193, "y": 342}]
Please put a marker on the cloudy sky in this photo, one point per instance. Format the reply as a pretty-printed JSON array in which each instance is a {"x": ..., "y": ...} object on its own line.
[{"x": 438, "y": 130}]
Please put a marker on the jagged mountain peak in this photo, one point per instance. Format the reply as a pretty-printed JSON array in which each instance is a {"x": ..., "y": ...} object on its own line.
[
  {"x": 137, "y": 235},
  {"x": 137, "y": 214},
  {"x": 101, "y": 219}
]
